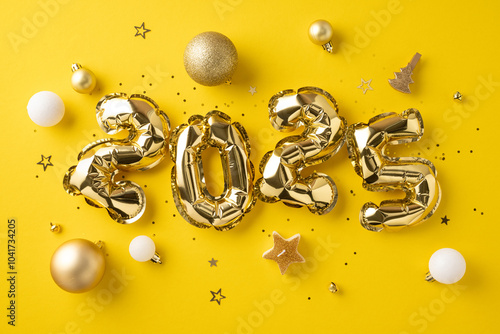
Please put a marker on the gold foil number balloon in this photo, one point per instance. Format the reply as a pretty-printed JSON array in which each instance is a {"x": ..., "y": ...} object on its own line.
[
  {"x": 415, "y": 176},
  {"x": 323, "y": 135},
  {"x": 98, "y": 163},
  {"x": 191, "y": 196}
]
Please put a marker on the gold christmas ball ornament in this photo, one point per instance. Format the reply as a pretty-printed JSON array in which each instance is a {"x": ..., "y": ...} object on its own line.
[
  {"x": 320, "y": 33},
  {"x": 78, "y": 265},
  {"x": 55, "y": 228},
  {"x": 83, "y": 80},
  {"x": 210, "y": 58}
]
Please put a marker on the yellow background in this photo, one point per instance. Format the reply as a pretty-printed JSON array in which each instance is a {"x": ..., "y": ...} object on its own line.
[{"x": 380, "y": 275}]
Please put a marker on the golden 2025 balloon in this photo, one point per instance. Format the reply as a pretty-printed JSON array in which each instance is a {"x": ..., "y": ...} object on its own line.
[
  {"x": 146, "y": 145},
  {"x": 193, "y": 200},
  {"x": 415, "y": 176},
  {"x": 323, "y": 136}
]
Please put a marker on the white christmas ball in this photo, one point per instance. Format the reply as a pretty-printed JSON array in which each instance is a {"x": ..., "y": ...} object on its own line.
[
  {"x": 46, "y": 108},
  {"x": 142, "y": 248},
  {"x": 447, "y": 266}
]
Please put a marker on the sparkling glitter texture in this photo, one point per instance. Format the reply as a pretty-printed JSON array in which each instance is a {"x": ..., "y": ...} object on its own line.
[
  {"x": 210, "y": 58},
  {"x": 284, "y": 251}
]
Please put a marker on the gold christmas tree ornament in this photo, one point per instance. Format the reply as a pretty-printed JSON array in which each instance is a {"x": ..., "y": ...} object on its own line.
[{"x": 403, "y": 77}]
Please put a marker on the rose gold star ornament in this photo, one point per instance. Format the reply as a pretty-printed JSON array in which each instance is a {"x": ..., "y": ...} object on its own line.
[{"x": 284, "y": 251}]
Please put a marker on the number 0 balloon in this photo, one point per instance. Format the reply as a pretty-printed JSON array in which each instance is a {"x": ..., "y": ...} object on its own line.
[{"x": 191, "y": 196}]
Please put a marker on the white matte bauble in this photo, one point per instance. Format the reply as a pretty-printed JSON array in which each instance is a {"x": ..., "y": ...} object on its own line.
[
  {"x": 142, "y": 249},
  {"x": 447, "y": 266},
  {"x": 46, "y": 108}
]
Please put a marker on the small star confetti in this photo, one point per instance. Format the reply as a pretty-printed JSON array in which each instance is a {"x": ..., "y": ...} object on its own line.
[
  {"x": 367, "y": 83},
  {"x": 284, "y": 251},
  {"x": 252, "y": 90},
  {"x": 141, "y": 31},
  {"x": 45, "y": 162},
  {"x": 217, "y": 296},
  {"x": 213, "y": 263},
  {"x": 444, "y": 220}
]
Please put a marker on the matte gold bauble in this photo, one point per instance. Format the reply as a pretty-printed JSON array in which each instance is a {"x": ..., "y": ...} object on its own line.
[
  {"x": 77, "y": 265},
  {"x": 210, "y": 58},
  {"x": 320, "y": 33}
]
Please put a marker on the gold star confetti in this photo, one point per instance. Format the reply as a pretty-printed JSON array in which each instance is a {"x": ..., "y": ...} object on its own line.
[
  {"x": 367, "y": 83},
  {"x": 284, "y": 251},
  {"x": 252, "y": 90}
]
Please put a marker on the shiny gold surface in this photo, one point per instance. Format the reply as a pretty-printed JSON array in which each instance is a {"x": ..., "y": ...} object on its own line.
[
  {"x": 284, "y": 252},
  {"x": 193, "y": 200},
  {"x": 323, "y": 135},
  {"x": 83, "y": 80},
  {"x": 77, "y": 265},
  {"x": 429, "y": 278},
  {"x": 156, "y": 258},
  {"x": 415, "y": 176},
  {"x": 56, "y": 228},
  {"x": 210, "y": 58},
  {"x": 99, "y": 162}
]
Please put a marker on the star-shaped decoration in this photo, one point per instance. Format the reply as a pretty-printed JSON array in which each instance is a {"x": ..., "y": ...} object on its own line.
[
  {"x": 213, "y": 263},
  {"x": 252, "y": 90},
  {"x": 445, "y": 220},
  {"x": 141, "y": 31},
  {"x": 45, "y": 162},
  {"x": 367, "y": 83},
  {"x": 284, "y": 251},
  {"x": 217, "y": 296}
]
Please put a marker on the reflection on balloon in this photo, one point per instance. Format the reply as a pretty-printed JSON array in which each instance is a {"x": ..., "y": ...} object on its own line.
[
  {"x": 323, "y": 136},
  {"x": 415, "y": 176},
  {"x": 193, "y": 200},
  {"x": 99, "y": 162}
]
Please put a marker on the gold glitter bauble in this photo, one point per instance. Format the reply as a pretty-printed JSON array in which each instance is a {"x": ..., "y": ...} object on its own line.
[
  {"x": 210, "y": 58},
  {"x": 77, "y": 265}
]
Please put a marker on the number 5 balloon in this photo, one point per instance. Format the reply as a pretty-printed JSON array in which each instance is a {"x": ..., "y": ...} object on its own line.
[
  {"x": 98, "y": 163},
  {"x": 415, "y": 176}
]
